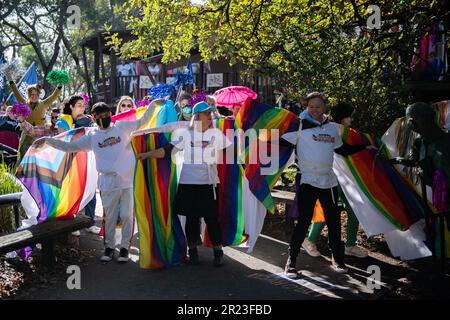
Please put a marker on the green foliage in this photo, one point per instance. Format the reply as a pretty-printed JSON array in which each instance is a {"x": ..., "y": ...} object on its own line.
[
  {"x": 7, "y": 185},
  {"x": 304, "y": 45}
]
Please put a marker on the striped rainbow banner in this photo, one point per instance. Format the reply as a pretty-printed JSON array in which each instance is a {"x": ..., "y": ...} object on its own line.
[
  {"x": 162, "y": 241},
  {"x": 60, "y": 183}
]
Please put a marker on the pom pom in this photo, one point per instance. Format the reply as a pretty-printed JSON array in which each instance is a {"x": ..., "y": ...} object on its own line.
[
  {"x": 20, "y": 109},
  {"x": 198, "y": 96},
  {"x": 142, "y": 103},
  {"x": 12, "y": 69},
  {"x": 58, "y": 77},
  {"x": 161, "y": 91},
  {"x": 85, "y": 97}
]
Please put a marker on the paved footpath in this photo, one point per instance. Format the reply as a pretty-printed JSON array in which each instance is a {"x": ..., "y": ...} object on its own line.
[{"x": 244, "y": 276}]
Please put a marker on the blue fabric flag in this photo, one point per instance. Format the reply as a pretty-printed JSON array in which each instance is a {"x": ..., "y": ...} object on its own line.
[{"x": 30, "y": 77}]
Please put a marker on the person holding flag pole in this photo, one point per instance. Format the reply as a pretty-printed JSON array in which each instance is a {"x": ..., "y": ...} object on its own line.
[{"x": 38, "y": 107}]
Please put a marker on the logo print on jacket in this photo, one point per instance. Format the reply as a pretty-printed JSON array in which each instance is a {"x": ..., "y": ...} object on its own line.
[
  {"x": 109, "y": 142},
  {"x": 322, "y": 137}
]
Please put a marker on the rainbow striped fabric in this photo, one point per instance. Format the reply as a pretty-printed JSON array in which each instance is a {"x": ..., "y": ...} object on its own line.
[
  {"x": 161, "y": 238},
  {"x": 164, "y": 114},
  {"x": 258, "y": 116},
  {"x": 60, "y": 183},
  {"x": 384, "y": 186},
  {"x": 231, "y": 211}
]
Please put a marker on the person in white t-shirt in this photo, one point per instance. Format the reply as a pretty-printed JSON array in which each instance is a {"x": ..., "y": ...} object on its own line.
[
  {"x": 114, "y": 158},
  {"x": 316, "y": 141},
  {"x": 197, "y": 149}
]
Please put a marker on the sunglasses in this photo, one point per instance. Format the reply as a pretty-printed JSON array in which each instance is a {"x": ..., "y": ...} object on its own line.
[
  {"x": 127, "y": 105},
  {"x": 54, "y": 117}
]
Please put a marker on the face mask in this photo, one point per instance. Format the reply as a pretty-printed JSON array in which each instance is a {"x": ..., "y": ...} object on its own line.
[
  {"x": 187, "y": 113},
  {"x": 104, "y": 122}
]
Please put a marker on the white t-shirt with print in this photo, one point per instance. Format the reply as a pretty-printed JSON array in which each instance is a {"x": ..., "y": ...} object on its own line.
[
  {"x": 315, "y": 153},
  {"x": 114, "y": 156},
  {"x": 199, "y": 154}
]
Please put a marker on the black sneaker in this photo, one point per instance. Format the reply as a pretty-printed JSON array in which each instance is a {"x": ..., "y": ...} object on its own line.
[
  {"x": 218, "y": 257},
  {"x": 123, "y": 256},
  {"x": 108, "y": 256},
  {"x": 193, "y": 256}
]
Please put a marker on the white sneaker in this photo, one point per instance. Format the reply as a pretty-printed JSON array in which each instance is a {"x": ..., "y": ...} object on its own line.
[
  {"x": 339, "y": 268},
  {"x": 76, "y": 233},
  {"x": 93, "y": 229},
  {"x": 310, "y": 248},
  {"x": 356, "y": 252}
]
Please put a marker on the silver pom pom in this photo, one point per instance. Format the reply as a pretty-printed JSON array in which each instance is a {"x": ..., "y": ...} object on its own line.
[{"x": 12, "y": 70}]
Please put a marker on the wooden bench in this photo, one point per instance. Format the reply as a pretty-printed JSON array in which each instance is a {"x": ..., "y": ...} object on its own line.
[
  {"x": 286, "y": 197},
  {"x": 44, "y": 233},
  {"x": 12, "y": 200}
]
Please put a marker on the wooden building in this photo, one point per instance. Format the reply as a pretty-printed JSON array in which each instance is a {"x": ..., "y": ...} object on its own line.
[{"x": 114, "y": 78}]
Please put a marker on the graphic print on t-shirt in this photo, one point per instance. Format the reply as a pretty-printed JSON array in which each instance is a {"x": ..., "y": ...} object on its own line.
[
  {"x": 323, "y": 137},
  {"x": 109, "y": 142},
  {"x": 201, "y": 144}
]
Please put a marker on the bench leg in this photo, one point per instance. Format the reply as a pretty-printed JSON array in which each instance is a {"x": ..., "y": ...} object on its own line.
[
  {"x": 16, "y": 216},
  {"x": 48, "y": 253}
]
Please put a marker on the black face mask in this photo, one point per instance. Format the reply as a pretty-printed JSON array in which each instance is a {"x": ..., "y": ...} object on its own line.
[{"x": 104, "y": 122}]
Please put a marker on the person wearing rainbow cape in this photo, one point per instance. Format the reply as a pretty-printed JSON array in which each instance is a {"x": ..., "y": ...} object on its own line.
[
  {"x": 197, "y": 148},
  {"x": 316, "y": 141},
  {"x": 340, "y": 113},
  {"x": 115, "y": 182}
]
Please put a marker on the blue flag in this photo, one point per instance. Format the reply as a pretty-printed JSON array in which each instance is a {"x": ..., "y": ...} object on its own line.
[
  {"x": 2, "y": 79},
  {"x": 190, "y": 73},
  {"x": 30, "y": 77},
  {"x": 182, "y": 79}
]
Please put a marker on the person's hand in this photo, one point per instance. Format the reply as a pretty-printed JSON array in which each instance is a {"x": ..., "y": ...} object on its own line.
[
  {"x": 39, "y": 143},
  {"x": 157, "y": 101},
  {"x": 59, "y": 87},
  {"x": 397, "y": 160},
  {"x": 142, "y": 156},
  {"x": 11, "y": 82},
  {"x": 371, "y": 147}
]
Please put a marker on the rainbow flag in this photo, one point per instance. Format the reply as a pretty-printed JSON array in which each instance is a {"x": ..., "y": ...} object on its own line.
[
  {"x": 257, "y": 116},
  {"x": 386, "y": 189},
  {"x": 383, "y": 200},
  {"x": 163, "y": 114},
  {"x": 58, "y": 184},
  {"x": 161, "y": 238},
  {"x": 230, "y": 191}
]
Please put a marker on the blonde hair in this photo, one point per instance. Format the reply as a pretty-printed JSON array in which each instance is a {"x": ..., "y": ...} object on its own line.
[
  {"x": 122, "y": 99},
  {"x": 211, "y": 99}
]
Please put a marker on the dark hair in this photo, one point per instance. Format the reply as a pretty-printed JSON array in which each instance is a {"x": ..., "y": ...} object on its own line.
[
  {"x": 100, "y": 107},
  {"x": 341, "y": 111},
  {"x": 186, "y": 96},
  {"x": 56, "y": 110},
  {"x": 71, "y": 103},
  {"x": 421, "y": 111}
]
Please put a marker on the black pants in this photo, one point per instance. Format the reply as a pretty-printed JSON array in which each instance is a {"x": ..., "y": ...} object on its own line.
[
  {"x": 192, "y": 229},
  {"x": 307, "y": 196}
]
